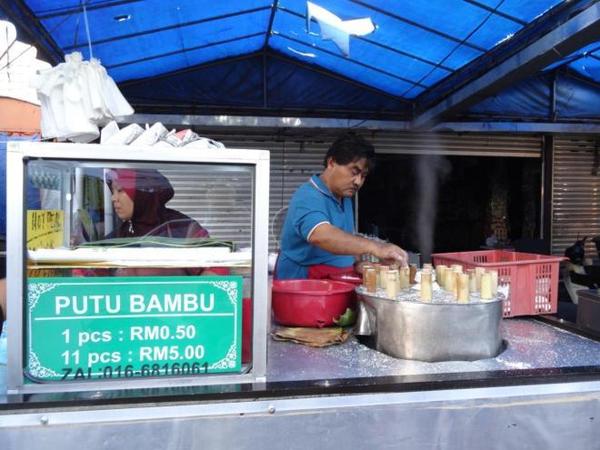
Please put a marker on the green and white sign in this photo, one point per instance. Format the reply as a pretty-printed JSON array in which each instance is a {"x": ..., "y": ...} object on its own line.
[{"x": 124, "y": 327}]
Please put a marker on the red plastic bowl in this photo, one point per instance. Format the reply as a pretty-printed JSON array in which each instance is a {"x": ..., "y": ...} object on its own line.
[
  {"x": 352, "y": 278},
  {"x": 310, "y": 303}
]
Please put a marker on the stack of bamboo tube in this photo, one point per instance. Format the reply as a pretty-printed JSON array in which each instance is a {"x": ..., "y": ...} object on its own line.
[{"x": 462, "y": 285}]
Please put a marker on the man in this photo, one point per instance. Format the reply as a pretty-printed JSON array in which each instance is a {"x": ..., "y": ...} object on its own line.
[{"x": 317, "y": 239}]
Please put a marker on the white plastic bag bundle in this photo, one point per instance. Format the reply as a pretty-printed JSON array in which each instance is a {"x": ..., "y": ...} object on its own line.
[
  {"x": 151, "y": 135},
  {"x": 170, "y": 139},
  {"x": 124, "y": 136},
  {"x": 108, "y": 131},
  {"x": 156, "y": 135},
  {"x": 202, "y": 143},
  {"x": 180, "y": 138},
  {"x": 76, "y": 96}
]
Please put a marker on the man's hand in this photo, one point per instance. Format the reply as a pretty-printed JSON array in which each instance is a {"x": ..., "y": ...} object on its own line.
[
  {"x": 338, "y": 242},
  {"x": 391, "y": 254}
]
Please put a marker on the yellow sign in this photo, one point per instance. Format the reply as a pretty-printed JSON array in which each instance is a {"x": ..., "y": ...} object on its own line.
[{"x": 45, "y": 228}]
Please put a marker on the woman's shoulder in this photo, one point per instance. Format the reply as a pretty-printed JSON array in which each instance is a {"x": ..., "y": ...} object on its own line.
[{"x": 181, "y": 225}]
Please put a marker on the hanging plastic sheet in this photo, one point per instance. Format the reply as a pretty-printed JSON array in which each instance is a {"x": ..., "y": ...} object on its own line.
[
  {"x": 18, "y": 65},
  {"x": 76, "y": 97}
]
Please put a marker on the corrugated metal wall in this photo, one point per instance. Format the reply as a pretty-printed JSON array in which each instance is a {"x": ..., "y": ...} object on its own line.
[
  {"x": 528, "y": 146},
  {"x": 575, "y": 192},
  {"x": 298, "y": 153},
  {"x": 220, "y": 200}
]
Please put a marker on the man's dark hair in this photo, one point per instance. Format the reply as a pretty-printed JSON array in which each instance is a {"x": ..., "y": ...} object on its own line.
[{"x": 350, "y": 147}]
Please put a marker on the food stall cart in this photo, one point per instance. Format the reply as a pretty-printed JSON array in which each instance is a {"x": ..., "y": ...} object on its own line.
[
  {"x": 78, "y": 323},
  {"x": 541, "y": 390}
]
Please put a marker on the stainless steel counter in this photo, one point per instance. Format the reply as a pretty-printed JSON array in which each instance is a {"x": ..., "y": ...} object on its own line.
[
  {"x": 529, "y": 345},
  {"x": 362, "y": 413}
]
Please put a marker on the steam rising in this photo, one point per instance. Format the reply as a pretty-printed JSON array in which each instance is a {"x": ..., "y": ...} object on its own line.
[{"x": 431, "y": 169}]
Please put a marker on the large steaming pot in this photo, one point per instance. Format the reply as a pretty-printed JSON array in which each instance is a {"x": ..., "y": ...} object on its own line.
[{"x": 432, "y": 331}]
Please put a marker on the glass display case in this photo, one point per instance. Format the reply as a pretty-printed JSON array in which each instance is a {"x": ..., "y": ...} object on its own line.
[{"x": 135, "y": 267}]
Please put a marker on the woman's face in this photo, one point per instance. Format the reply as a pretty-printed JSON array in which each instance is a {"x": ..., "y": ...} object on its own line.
[{"x": 121, "y": 202}]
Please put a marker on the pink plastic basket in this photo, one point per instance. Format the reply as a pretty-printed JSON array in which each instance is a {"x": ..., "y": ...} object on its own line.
[{"x": 532, "y": 279}]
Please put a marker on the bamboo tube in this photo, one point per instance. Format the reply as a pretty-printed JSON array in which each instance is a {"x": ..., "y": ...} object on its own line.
[
  {"x": 382, "y": 276},
  {"x": 451, "y": 281},
  {"x": 426, "y": 289},
  {"x": 456, "y": 273},
  {"x": 370, "y": 279},
  {"x": 404, "y": 278},
  {"x": 367, "y": 266},
  {"x": 457, "y": 268},
  {"x": 472, "y": 280},
  {"x": 376, "y": 267},
  {"x": 412, "y": 274},
  {"x": 486, "y": 286},
  {"x": 392, "y": 283},
  {"x": 463, "y": 288},
  {"x": 494, "y": 274},
  {"x": 478, "y": 272},
  {"x": 440, "y": 275}
]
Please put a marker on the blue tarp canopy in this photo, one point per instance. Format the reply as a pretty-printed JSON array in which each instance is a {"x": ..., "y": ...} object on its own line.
[
  {"x": 560, "y": 95},
  {"x": 585, "y": 61},
  {"x": 350, "y": 57}
]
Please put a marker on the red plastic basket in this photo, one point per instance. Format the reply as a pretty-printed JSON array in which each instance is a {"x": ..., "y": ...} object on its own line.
[{"x": 532, "y": 279}]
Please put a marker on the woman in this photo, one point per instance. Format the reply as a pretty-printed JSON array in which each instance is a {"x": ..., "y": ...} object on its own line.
[{"x": 139, "y": 199}]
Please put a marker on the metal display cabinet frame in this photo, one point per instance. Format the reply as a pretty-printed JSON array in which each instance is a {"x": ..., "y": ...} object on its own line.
[{"x": 18, "y": 153}]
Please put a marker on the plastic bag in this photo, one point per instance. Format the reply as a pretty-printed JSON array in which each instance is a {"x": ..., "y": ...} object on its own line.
[
  {"x": 125, "y": 135},
  {"x": 151, "y": 135},
  {"x": 76, "y": 96},
  {"x": 205, "y": 143}
]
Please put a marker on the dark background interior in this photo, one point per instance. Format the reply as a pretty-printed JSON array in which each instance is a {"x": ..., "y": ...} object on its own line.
[{"x": 389, "y": 199}]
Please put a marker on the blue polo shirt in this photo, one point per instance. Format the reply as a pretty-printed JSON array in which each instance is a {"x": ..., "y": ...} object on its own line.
[{"x": 311, "y": 205}]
